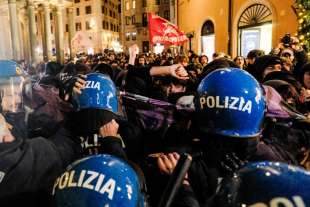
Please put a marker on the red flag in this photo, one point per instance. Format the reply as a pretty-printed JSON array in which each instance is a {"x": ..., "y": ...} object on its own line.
[{"x": 164, "y": 32}]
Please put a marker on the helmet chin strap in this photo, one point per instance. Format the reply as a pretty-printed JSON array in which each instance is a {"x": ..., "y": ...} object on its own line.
[{"x": 28, "y": 111}]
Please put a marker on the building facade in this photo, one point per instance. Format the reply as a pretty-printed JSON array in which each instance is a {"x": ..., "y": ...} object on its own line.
[
  {"x": 236, "y": 26},
  {"x": 32, "y": 29},
  {"x": 135, "y": 23},
  {"x": 100, "y": 20},
  {"x": 37, "y": 30}
]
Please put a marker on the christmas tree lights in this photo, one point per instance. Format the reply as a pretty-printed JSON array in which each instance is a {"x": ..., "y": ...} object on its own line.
[{"x": 302, "y": 8}]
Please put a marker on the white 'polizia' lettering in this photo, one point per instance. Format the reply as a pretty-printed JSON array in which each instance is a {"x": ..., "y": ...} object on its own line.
[
  {"x": 92, "y": 84},
  {"x": 297, "y": 201},
  {"x": 228, "y": 102},
  {"x": 86, "y": 179}
]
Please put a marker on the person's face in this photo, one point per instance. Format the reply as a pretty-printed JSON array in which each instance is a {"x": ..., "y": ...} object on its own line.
[
  {"x": 240, "y": 62},
  {"x": 307, "y": 80},
  {"x": 250, "y": 61},
  {"x": 176, "y": 88},
  {"x": 112, "y": 57},
  {"x": 114, "y": 65},
  {"x": 193, "y": 73},
  {"x": 287, "y": 66},
  {"x": 10, "y": 96},
  {"x": 288, "y": 55},
  {"x": 184, "y": 63},
  {"x": 272, "y": 68},
  {"x": 141, "y": 61},
  {"x": 204, "y": 60},
  {"x": 5, "y": 134}
]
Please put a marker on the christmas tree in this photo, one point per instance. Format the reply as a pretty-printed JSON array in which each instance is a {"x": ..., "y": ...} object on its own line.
[{"x": 303, "y": 14}]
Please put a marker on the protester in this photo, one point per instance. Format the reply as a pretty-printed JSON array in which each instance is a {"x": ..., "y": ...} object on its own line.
[
  {"x": 240, "y": 61},
  {"x": 143, "y": 111}
]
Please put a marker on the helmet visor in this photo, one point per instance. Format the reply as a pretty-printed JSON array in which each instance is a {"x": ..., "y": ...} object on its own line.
[{"x": 11, "y": 99}]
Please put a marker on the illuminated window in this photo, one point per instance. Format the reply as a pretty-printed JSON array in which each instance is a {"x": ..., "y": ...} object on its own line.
[
  {"x": 208, "y": 39},
  {"x": 255, "y": 29},
  {"x": 134, "y": 36},
  {"x": 133, "y": 4},
  {"x": 127, "y": 36},
  {"x": 127, "y": 5}
]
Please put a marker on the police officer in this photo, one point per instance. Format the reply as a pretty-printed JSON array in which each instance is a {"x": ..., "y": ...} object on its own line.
[
  {"x": 15, "y": 95},
  {"x": 95, "y": 121},
  {"x": 94, "y": 115},
  {"x": 99, "y": 180},
  {"x": 265, "y": 184},
  {"x": 28, "y": 167},
  {"x": 230, "y": 107}
]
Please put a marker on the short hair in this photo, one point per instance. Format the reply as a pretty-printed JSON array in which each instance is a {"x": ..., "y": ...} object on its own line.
[
  {"x": 255, "y": 53},
  {"x": 182, "y": 59}
]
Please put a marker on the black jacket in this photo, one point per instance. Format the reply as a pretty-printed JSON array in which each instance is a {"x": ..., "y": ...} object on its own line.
[
  {"x": 300, "y": 60},
  {"x": 138, "y": 80},
  {"x": 28, "y": 167}
]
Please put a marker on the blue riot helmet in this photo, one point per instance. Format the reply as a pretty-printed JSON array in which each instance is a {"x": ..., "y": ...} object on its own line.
[
  {"x": 98, "y": 181},
  {"x": 15, "y": 96},
  {"x": 230, "y": 102},
  {"x": 12, "y": 84},
  {"x": 99, "y": 93},
  {"x": 96, "y": 106},
  {"x": 265, "y": 184}
]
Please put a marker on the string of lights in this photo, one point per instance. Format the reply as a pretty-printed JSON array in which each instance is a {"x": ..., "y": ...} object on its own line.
[{"x": 303, "y": 14}]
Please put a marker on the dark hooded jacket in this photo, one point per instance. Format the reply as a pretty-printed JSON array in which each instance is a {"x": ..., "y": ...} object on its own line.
[{"x": 28, "y": 168}]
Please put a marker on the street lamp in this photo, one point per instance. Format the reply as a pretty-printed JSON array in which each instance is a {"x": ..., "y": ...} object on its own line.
[{"x": 190, "y": 35}]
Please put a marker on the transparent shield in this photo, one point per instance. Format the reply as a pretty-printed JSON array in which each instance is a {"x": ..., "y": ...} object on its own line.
[{"x": 11, "y": 97}]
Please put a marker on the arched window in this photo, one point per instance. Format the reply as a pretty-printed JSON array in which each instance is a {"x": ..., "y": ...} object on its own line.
[
  {"x": 255, "y": 29},
  {"x": 207, "y": 28},
  {"x": 207, "y": 39}
]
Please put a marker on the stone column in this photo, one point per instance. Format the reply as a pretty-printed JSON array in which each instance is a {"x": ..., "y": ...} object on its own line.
[
  {"x": 47, "y": 32},
  {"x": 15, "y": 36},
  {"x": 59, "y": 34},
  {"x": 32, "y": 32},
  {"x": 71, "y": 30}
]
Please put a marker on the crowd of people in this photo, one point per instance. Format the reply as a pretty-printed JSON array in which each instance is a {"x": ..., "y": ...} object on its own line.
[{"x": 157, "y": 130}]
